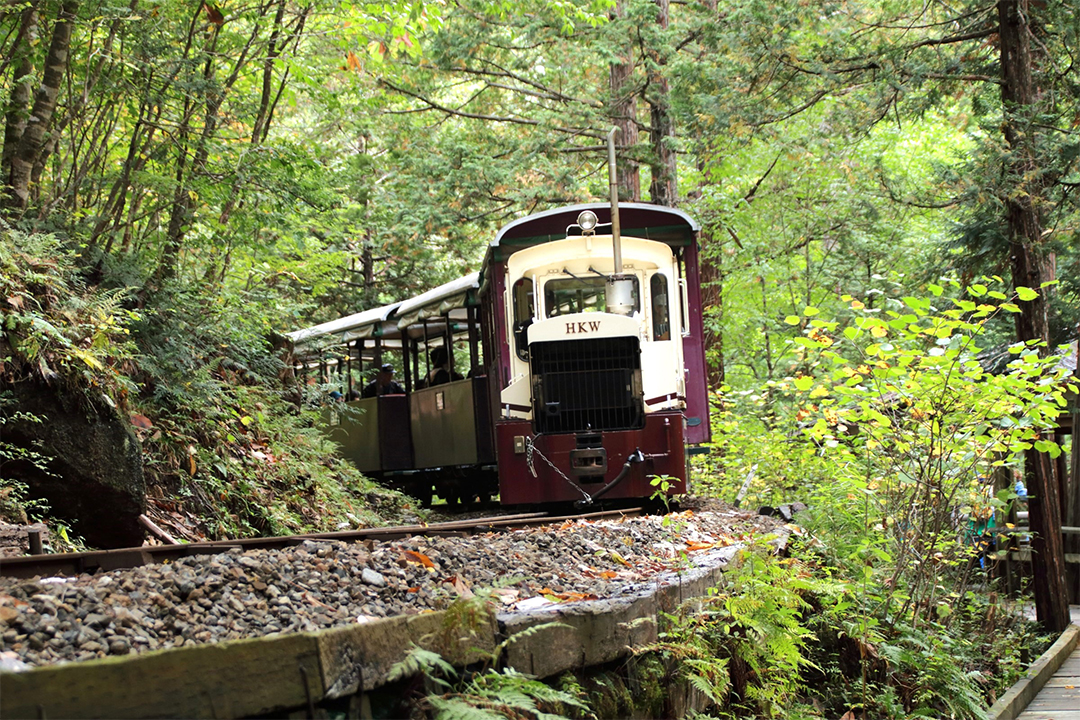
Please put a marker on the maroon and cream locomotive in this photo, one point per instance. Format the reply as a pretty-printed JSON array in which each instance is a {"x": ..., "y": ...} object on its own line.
[{"x": 571, "y": 367}]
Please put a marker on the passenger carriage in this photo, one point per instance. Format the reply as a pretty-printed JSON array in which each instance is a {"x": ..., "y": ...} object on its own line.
[{"x": 574, "y": 386}]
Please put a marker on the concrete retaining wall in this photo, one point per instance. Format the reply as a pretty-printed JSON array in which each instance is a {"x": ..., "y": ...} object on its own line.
[{"x": 280, "y": 673}]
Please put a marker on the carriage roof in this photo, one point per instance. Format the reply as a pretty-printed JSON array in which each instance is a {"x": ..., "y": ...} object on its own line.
[
  {"x": 351, "y": 327},
  {"x": 440, "y": 301}
]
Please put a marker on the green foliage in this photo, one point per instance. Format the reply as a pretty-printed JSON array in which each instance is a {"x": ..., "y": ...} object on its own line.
[
  {"x": 16, "y": 505},
  {"x": 898, "y": 438},
  {"x": 489, "y": 693},
  {"x": 201, "y": 371},
  {"x": 506, "y": 694},
  {"x": 746, "y": 647},
  {"x": 784, "y": 638},
  {"x": 56, "y": 330},
  {"x": 419, "y": 661}
]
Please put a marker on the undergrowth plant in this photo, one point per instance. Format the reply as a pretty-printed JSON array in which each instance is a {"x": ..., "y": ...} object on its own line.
[
  {"x": 16, "y": 504},
  {"x": 199, "y": 375},
  {"x": 745, "y": 647},
  {"x": 899, "y": 433},
  {"x": 53, "y": 328},
  {"x": 489, "y": 693}
]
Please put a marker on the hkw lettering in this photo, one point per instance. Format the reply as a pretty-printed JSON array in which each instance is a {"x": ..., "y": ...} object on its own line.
[{"x": 586, "y": 326}]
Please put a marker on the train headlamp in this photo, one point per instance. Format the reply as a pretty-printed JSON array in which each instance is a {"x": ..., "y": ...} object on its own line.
[{"x": 587, "y": 221}]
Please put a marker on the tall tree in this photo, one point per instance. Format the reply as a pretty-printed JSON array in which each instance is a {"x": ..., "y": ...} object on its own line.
[
  {"x": 1023, "y": 199},
  {"x": 623, "y": 93},
  {"x": 27, "y": 145},
  {"x": 664, "y": 185}
]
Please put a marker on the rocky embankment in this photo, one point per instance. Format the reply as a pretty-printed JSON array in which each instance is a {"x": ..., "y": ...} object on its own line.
[{"x": 323, "y": 584}]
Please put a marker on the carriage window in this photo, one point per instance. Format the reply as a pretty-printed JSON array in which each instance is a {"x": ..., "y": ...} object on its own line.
[
  {"x": 661, "y": 318},
  {"x": 524, "y": 309},
  {"x": 576, "y": 295}
]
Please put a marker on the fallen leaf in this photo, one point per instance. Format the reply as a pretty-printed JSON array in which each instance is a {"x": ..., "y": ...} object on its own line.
[
  {"x": 507, "y": 596},
  {"x": 414, "y": 589},
  {"x": 849, "y": 715},
  {"x": 419, "y": 558},
  {"x": 461, "y": 588},
  {"x": 141, "y": 421},
  {"x": 608, "y": 574},
  {"x": 15, "y": 301},
  {"x": 618, "y": 558},
  {"x": 694, "y": 546}
]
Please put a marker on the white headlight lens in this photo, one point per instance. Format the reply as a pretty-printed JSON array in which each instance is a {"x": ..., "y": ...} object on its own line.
[{"x": 587, "y": 220}]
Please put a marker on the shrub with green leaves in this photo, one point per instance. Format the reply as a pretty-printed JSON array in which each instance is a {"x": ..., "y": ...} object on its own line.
[
  {"x": 54, "y": 328},
  {"x": 903, "y": 439}
]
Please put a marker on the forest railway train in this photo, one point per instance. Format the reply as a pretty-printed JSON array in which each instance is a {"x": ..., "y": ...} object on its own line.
[{"x": 575, "y": 363}]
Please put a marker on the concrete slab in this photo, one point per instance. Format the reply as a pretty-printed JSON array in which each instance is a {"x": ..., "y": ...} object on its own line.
[{"x": 575, "y": 635}]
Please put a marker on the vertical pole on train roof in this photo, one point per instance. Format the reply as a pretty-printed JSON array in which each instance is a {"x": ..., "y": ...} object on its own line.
[
  {"x": 348, "y": 368},
  {"x": 613, "y": 182},
  {"x": 427, "y": 354},
  {"x": 448, "y": 343},
  {"x": 406, "y": 366},
  {"x": 474, "y": 341}
]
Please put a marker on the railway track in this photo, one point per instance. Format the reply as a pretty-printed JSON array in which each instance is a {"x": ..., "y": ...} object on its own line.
[{"x": 70, "y": 564}]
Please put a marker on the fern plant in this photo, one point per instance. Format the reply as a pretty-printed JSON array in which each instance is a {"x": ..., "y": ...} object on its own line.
[
  {"x": 497, "y": 695},
  {"x": 488, "y": 693}
]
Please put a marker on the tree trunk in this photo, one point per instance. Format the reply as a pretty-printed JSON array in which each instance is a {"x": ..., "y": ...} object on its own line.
[
  {"x": 18, "y": 109},
  {"x": 624, "y": 116},
  {"x": 1071, "y": 514},
  {"x": 273, "y": 50},
  {"x": 30, "y": 143},
  {"x": 1019, "y": 94},
  {"x": 664, "y": 187},
  {"x": 183, "y": 206},
  {"x": 712, "y": 296}
]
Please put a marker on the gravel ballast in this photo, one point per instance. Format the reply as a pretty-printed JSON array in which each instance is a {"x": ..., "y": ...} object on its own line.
[{"x": 323, "y": 584}]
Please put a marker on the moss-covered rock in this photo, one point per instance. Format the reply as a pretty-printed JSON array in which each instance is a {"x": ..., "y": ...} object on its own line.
[{"x": 94, "y": 473}]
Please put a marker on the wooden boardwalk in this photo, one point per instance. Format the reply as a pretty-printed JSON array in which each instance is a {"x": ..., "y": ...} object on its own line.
[{"x": 1060, "y": 697}]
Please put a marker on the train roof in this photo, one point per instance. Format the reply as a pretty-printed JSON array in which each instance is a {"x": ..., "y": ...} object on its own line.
[
  {"x": 642, "y": 220},
  {"x": 351, "y": 327},
  {"x": 439, "y": 301}
]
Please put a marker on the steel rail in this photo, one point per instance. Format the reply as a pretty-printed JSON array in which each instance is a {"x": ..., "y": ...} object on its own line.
[{"x": 70, "y": 564}]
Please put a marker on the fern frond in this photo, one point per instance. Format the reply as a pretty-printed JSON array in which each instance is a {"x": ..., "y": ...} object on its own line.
[
  {"x": 419, "y": 661},
  {"x": 457, "y": 708}
]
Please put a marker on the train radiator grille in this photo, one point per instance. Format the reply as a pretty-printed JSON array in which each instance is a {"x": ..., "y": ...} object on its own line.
[{"x": 588, "y": 384}]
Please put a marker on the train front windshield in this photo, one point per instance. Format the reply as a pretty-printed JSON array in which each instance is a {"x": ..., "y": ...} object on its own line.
[{"x": 564, "y": 296}]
